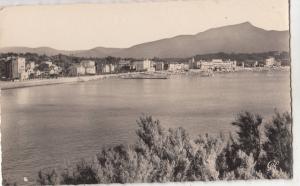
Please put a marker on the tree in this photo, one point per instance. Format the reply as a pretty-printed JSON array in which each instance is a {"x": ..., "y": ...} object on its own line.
[
  {"x": 278, "y": 146},
  {"x": 204, "y": 164},
  {"x": 248, "y": 133},
  {"x": 48, "y": 177},
  {"x": 43, "y": 67},
  {"x": 169, "y": 152},
  {"x": 83, "y": 173}
]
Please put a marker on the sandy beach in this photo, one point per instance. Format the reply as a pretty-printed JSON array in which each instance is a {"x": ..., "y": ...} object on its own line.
[{"x": 62, "y": 80}]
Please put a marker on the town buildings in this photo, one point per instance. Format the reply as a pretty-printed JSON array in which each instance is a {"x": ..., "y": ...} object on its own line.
[
  {"x": 175, "y": 66},
  {"x": 48, "y": 69},
  {"x": 15, "y": 68},
  {"x": 86, "y": 67},
  {"x": 76, "y": 70},
  {"x": 55, "y": 70},
  {"x": 269, "y": 62},
  {"x": 144, "y": 65},
  {"x": 49, "y": 63},
  {"x": 108, "y": 68},
  {"x": 218, "y": 65},
  {"x": 124, "y": 65},
  {"x": 30, "y": 69},
  {"x": 159, "y": 66},
  {"x": 89, "y": 66},
  {"x": 250, "y": 63}
]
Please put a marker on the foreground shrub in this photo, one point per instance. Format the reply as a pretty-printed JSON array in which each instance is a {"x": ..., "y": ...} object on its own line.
[
  {"x": 203, "y": 166},
  {"x": 83, "y": 173},
  {"x": 275, "y": 173},
  {"x": 170, "y": 155},
  {"x": 120, "y": 164},
  {"x": 48, "y": 177},
  {"x": 248, "y": 133},
  {"x": 5, "y": 182},
  {"x": 168, "y": 152},
  {"x": 279, "y": 147}
]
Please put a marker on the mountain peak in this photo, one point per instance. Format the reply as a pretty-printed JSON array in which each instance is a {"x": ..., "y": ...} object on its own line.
[
  {"x": 240, "y": 38},
  {"x": 246, "y": 23},
  {"x": 230, "y": 28}
]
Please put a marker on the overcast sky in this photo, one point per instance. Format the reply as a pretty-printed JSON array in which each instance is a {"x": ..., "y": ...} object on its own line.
[{"x": 72, "y": 27}]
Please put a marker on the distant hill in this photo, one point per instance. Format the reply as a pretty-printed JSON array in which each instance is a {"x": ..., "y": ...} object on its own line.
[
  {"x": 243, "y": 38},
  {"x": 95, "y": 52},
  {"x": 239, "y": 38},
  {"x": 40, "y": 50}
]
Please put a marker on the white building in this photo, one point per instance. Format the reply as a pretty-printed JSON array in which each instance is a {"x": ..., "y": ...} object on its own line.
[
  {"x": 90, "y": 67},
  {"x": 30, "y": 68},
  {"x": 90, "y": 70},
  {"x": 24, "y": 76},
  {"x": 15, "y": 67},
  {"x": 77, "y": 70},
  {"x": 37, "y": 73},
  {"x": 269, "y": 62},
  {"x": 178, "y": 66},
  {"x": 145, "y": 65},
  {"x": 49, "y": 63},
  {"x": 108, "y": 68},
  {"x": 218, "y": 65},
  {"x": 32, "y": 65}
]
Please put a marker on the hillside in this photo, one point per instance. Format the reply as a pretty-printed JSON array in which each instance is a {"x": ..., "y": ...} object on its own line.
[{"x": 239, "y": 38}]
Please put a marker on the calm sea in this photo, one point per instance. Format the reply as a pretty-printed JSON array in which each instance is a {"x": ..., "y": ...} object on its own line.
[{"x": 48, "y": 126}]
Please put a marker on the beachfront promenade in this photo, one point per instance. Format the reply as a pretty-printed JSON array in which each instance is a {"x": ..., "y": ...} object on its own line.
[{"x": 61, "y": 80}]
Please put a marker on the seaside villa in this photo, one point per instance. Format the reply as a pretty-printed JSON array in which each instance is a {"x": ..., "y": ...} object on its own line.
[{"x": 218, "y": 65}]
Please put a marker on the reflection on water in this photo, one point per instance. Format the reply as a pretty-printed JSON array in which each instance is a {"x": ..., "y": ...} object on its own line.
[{"x": 45, "y": 126}]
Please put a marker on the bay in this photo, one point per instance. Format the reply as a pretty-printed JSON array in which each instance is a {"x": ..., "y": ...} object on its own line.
[{"x": 48, "y": 126}]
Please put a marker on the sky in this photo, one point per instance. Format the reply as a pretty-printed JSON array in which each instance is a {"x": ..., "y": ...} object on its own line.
[{"x": 85, "y": 26}]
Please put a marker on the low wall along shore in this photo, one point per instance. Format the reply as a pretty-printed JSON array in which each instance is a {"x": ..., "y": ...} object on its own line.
[{"x": 62, "y": 80}]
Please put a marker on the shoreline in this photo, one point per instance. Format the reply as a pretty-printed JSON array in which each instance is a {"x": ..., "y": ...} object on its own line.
[
  {"x": 61, "y": 80},
  {"x": 65, "y": 80}
]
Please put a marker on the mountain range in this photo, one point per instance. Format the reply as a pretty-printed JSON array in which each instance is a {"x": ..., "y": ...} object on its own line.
[{"x": 238, "y": 38}]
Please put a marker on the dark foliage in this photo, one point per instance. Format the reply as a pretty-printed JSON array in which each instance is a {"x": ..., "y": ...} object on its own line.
[
  {"x": 7, "y": 183},
  {"x": 248, "y": 133},
  {"x": 169, "y": 155},
  {"x": 279, "y": 145}
]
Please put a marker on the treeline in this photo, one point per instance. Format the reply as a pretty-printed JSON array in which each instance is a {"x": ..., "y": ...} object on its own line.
[
  {"x": 64, "y": 60},
  {"x": 256, "y": 151},
  {"x": 60, "y": 59}
]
